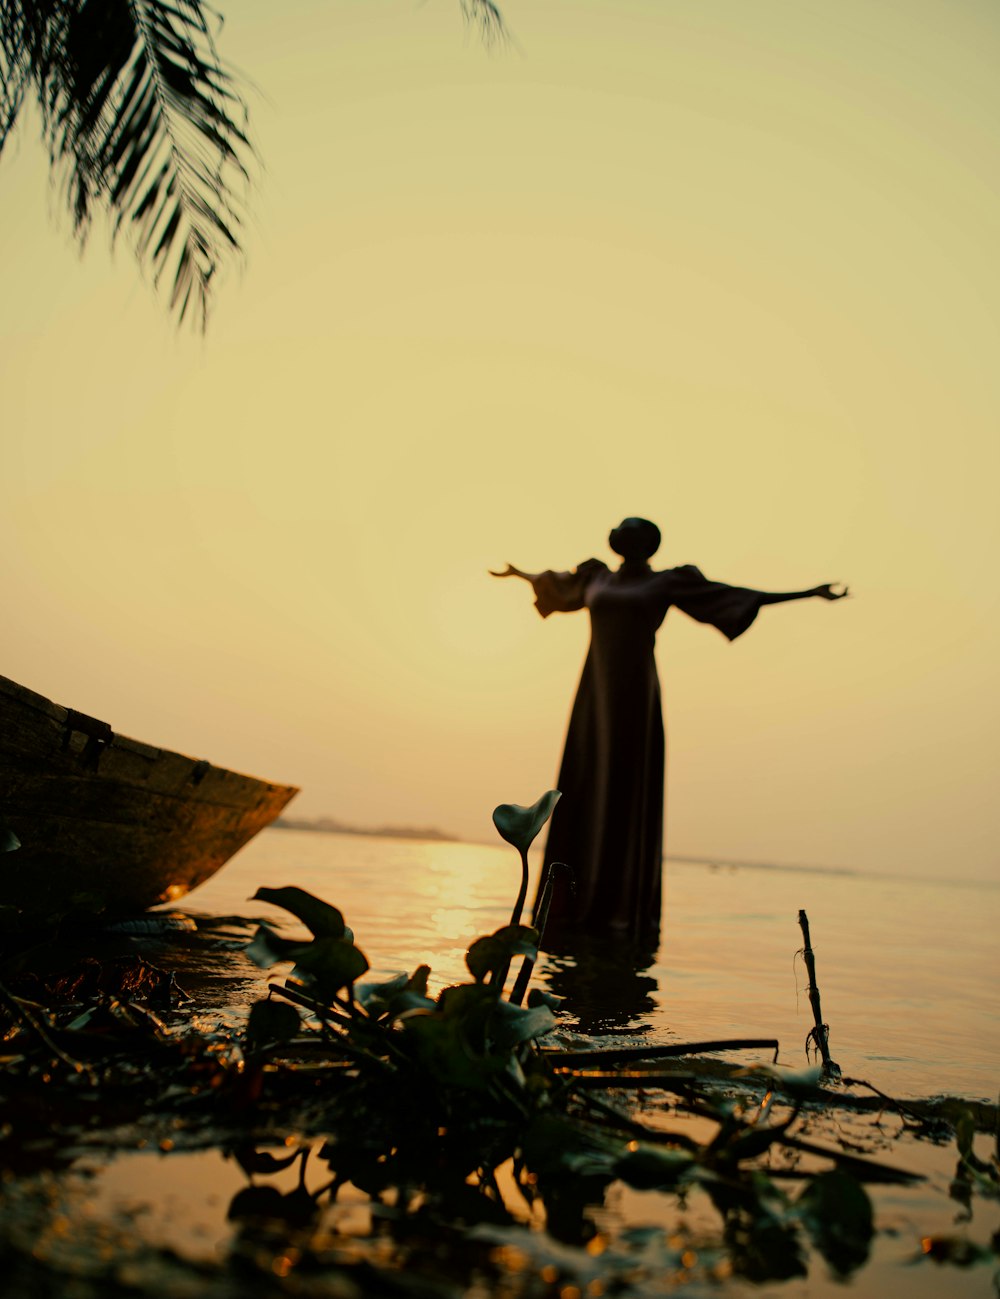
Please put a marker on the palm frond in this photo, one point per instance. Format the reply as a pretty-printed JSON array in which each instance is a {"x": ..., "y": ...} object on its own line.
[
  {"x": 486, "y": 15},
  {"x": 18, "y": 43},
  {"x": 145, "y": 122}
]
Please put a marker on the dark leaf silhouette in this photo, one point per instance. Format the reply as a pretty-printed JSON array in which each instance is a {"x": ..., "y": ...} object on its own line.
[
  {"x": 495, "y": 951},
  {"x": 838, "y": 1214},
  {"x": 331, "y": 963},
  {"x": 319, "y": 917},
  {"x": 269, "y": 1023},
  {"x": 520, "y": 825},
  {"x": 142, "y": 120}
]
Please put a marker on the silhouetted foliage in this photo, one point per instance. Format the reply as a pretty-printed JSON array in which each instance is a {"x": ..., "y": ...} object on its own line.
[{"x": 143, "y": 119}]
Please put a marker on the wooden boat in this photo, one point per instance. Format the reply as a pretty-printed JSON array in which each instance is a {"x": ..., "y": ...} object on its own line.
[{"x": 107, "y": 824}]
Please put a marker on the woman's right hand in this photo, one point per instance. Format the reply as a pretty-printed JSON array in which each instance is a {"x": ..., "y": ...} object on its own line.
[{"x": 511, "y": 571}]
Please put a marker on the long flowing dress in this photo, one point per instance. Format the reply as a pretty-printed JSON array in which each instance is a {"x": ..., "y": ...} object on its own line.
[{"x": 608, "y": 825}]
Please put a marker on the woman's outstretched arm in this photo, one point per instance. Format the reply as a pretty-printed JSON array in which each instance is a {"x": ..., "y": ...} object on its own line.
[
  {"x": 511, "y": 571},
  {"x": 824, "y": 592},
  {"x": 557, "y": 592}
]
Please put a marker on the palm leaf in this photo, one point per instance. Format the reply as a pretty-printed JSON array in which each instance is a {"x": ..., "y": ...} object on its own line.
[
  {"x": 486, "y": 15},
  {"x": 145, "y": 122}
]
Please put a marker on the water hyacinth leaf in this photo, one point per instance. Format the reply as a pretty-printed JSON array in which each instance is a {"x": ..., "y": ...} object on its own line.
[
  {"x": 520, "y": 825},
  {"x": 513, "y": 1025},
  {"x": 269, "y": 1023},
  {"x": 495, "y": 951},
  {"x": 252, "y": 1160},
  {"x": 396, "y": 996},
  {"x": 406, "y": 1001},
  {"x": 331, "y": 963},
  {"x": 965, "y": 1131},
  {"x": 519, "y": 940},
  {"x": 483, "y": 956},
  {"x": 367, "y": 993},
  {"x": 9, "y": 841},
  {"x": 319, "y": 917},
  {"x": 792, "y": 1082},
  {"x": 438, "y": 1044},
  {"x": 267, "y": 1204},
  {"x": 838, "y": 1216},
  {"x": 539, "y": 997},
  {"x": 267, "y": 948},
  {"x": 553, "y": 1143},
  {"x": 255, "y": 1202},
  {"x": 470, "y": 1002},
  {"x": 747, "y": 1143}
]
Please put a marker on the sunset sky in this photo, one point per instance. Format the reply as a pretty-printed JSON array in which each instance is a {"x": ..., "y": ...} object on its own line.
[{"x": 727, "y": 264}]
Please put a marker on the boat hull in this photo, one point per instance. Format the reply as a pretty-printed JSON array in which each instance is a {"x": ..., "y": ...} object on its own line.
[{"x": 108, "y": 824}]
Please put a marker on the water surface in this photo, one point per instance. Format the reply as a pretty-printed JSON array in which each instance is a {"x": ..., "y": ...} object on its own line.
[{"x": 908, "y": 970}]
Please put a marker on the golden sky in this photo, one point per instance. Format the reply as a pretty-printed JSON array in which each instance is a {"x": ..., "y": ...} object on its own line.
[{"x": 731, "y": 266}]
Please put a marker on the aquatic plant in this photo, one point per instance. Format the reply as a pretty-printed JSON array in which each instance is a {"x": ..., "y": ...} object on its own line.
[
  {"x": 461, "y": 1110},
  {"x": 470, "y": 1037},
  {"x": 442, "y": 1091}
]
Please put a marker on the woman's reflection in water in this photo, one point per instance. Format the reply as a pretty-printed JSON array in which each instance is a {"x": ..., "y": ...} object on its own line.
[{"x": 604, "y": 984}]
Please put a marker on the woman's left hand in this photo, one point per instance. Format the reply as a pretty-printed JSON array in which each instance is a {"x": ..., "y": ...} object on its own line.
[{"x": 826, "y": 591}]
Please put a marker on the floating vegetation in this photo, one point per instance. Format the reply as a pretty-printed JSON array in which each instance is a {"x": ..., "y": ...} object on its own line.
[{"x": 475, "y": 1152}]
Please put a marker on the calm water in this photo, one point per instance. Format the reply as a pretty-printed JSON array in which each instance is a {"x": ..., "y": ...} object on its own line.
[
  {"x": 908, "y": 974},
  {"x": 908, "y": 971}
]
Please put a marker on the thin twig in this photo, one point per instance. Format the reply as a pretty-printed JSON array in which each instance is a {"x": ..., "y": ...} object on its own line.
[
  {"x": 24, "y": 1015},
  {"x": 623, "y": 1053},
  {"x": 821, "y": 1032}
]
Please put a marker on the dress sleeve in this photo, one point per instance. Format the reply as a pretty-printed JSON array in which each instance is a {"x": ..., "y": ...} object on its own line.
[
  {"x": 564, "y": 592},
  {"x": 731, "y": 609}
]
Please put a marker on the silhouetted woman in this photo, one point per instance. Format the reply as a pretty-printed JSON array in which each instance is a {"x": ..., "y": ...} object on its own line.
[{"x": 608, "y": 825}]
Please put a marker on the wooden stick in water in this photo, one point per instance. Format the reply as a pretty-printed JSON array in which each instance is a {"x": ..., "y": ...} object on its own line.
[
  {"x": 820, "y": 1033},
  {"x": 544, "y": 902}
]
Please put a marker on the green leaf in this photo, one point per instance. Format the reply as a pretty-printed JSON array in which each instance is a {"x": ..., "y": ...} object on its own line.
[
  {"x": 267, "y": 948},
  {"x": 538, "y": 997},
  {"x": 838, "y": 1216},
  {"x": 484, "y": 955},
  {"x": 495, "y": 951},
  {"x": 554, "y": 1144},
  {"x": 331, "y": 963},
  {"x": 8, "y": 839},
  {"x": 965, "y": 1131},
  {"x": 439, "y": 1046},
  {"x": 417, "y": 982},
  {"x": 369, "y": 993},
  {"x": 512, "y": 1025},
  {"x": 520, "y": 825},
  {"x": 319, "y": 917},
  {"x": 252, "y": 1160},
  {"x": 449, "y": 1041},
  {"x": 396, "y": 996},
  {"x": 792, "y": 1082},
  {"x": 269, "y": 1023}
]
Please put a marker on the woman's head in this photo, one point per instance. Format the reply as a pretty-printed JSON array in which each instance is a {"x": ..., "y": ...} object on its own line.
[{"x": 635, "y": 539}]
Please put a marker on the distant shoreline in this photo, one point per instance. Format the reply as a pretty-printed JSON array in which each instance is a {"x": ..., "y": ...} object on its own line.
[
  {"x": 723, "y": 863},
  {"x": 330, "y": 825}
]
